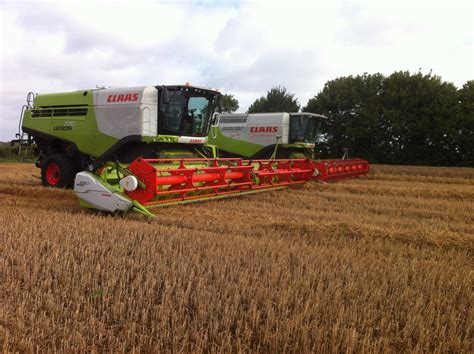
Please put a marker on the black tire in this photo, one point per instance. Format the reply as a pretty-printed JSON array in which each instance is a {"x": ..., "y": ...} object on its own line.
[{"x": 58, "y": 171}]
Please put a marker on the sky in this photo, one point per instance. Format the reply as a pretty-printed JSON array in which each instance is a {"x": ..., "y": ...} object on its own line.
[{"x": 243, "y": 48}]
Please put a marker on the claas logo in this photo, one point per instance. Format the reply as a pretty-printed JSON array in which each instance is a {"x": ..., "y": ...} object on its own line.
[
  {"x": 263, "y": 129},
  {"x": 126, "y": 97}
]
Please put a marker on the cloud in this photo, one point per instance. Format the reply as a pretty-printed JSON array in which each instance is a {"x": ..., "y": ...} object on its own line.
[
  {"x": 243, "y": 48},
  {"x": 295, "y": 69}
]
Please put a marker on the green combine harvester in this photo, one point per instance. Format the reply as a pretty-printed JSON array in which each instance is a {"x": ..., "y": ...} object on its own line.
[
  {"x": 82, "y": 130},
  {"x": 135, "y": 148},
  {"x": 267, "y": 135},
  {"x": 280, "y": 135}
]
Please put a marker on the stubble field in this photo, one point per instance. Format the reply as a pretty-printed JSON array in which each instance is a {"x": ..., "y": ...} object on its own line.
[{"x": 382, "y": 263}]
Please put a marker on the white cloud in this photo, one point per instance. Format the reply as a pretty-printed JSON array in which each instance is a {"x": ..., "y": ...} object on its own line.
[{"x": 244, "y": 48}]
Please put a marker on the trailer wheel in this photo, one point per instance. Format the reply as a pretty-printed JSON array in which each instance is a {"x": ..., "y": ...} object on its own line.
[{"x": 58, "y": 171}]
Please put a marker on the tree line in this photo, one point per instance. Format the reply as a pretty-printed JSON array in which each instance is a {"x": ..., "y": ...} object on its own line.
[{"x": 403, "y": 118}]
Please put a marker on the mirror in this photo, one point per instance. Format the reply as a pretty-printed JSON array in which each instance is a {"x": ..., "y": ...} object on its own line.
[{"x": 215, "y": 119}]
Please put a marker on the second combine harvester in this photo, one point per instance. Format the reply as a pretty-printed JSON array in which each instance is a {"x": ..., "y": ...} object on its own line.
[
  {"x": 280, "y": 135},
  {"x": 135, "y": 148}
]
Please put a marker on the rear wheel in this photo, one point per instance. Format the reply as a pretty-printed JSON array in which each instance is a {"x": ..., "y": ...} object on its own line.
[{"x": 58, "y": 171}]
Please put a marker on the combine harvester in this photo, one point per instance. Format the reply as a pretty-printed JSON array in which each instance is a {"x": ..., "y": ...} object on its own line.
[
  {"x": 136, "y": 148},
  {"x": 280, "y": 135}
]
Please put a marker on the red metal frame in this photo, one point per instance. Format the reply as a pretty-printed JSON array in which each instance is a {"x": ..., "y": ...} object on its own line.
[
  {"x": 331, "y": 170},
  {"x": 216, "y": 177}
]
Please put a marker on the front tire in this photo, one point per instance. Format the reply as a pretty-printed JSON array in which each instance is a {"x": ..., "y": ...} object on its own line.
[{"x": 58, "y": 171}]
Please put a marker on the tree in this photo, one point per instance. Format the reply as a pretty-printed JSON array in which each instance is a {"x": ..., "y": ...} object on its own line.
[
  {"x": 419, "y": 113},
  {"x": 278, "y": 99},
  {"x": 350, "y": 103},
  {"x": 465, "y": 127},
  {"x": 403, "y": 118},
  {"x": 229, "y": 103}
]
